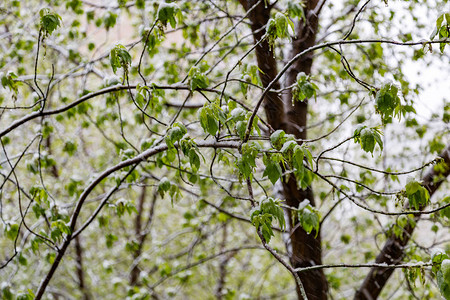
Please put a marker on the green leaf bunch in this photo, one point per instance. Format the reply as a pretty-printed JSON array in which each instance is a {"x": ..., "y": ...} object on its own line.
[
  {"x": 308, "y": 217},
  {"x": 59, "y": 228},
  {"x": 49, "y": 21},
  {"x": 412, "y": 273},
  {"x": 296, "y": 9},
  {"x": 278, "y": 28},
  {"x": 402, "y": 221},
  {"x": 191, "y": 151},
  {"x": 123, "y": 205},
  {"x": 250, "y": 75},
  {"x": 175, "y": 133},
  {"x": 246, "y": 162},
  {"x": 238, "y": 119},
  {"x": 441, "y": 267},
  {"x": 166, "y": 186},
  {"x": 197, "y": 80},
  {"x": 388, "y": 102},
  {"x": 295, "y": 155},
  {"x": 210, "y": 115},
  {"x": 417, "y": 194},
  {"x": 109, "y": 20},
  {"x": 442, "y": 29},
  {"x": 119, "y": 58},
  {"x": 304, "y": 88},
  {"x": 167, "y": 12},
  {"x": 148, "y": 98},
  {"x": 368, "y": 138},
  {"x": 10, "y": 81},
  {"x": 11, "y": 230},
  {"x": 263, "y": 215}
]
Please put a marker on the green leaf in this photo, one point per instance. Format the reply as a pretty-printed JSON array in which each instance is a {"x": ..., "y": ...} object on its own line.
[
  {"x": 246, "y": 162},
  {"x": 262, "y": 216},
  {"x": 6, "y": 292},
  {"x": 297, "y": 157},
  {"x": 163, "y": 186},
  {"x": 418, "y": 195},
  {"x": 197, "y": 80},
  {"x": 309, "y": 217},
  {"x": 109, "y": 20},
  {"x": 308, "y": 155},
  {"x": 273, "y": 171},
  {"x": 22, "y": 260},
  {"x": 212, "y": 124},
  {"x": 70, "y": 148},
  {"x": 175, "y": 133},
  {"x": 110, "y": 240},
  {"x": 194, "y": 159},
  {"x": 278, "y": 28},
  {"x": 288, "y": 146},
  {"x": 26, "y": 296},
  {"x": 11, "y": 231},
  {"x": 277, "y": 139},
  {"x": 295, "y": 9},
  {"x": 167, "y": 13},
  {"x": 10, "y": 81},
  {"x": 210, "y": 115},
  {"x": 50, "y": 21},
  {"x": 237, "y": 114},
  {"x": 446, "y": 211},
  {"x": 445, "y": 269},
  {"x": 387, "y": 102},
  {"x": 120, "y": 58},
  {"x": 368, "y": 138},
  {"x": 304, "y": 88},
  {"x": 444, "y": 286}
]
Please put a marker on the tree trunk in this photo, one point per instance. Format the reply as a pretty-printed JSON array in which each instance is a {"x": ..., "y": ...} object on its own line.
[
  {"x": 392, "y": 252},
  {"x": 79, "y": 267},
  {"x": 304, "y": 249}
]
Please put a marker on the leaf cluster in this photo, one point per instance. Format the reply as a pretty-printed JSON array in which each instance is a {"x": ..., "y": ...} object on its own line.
[
  {"x": 263, "y": 215},
  {"x": 167, "y": 12},
  {"x": 119, "y": 58},
  {"x": 197, "y": 80},
  {"x": 441, "y": 267},
  {"x": 50, "y": 21},
  {"x": 278, "y": 28},
  {"x": 442, "y": 29},
  {"x": 308, "y": 217},
  {"x": 210, "y": 115},
  {"x": 417, "y": 194},
  {"x": 304, "y": 88},
  {"x": 296, "y": 157},
  {"x": 388, "y": 102},
  {"x": 368, "y": 138}
]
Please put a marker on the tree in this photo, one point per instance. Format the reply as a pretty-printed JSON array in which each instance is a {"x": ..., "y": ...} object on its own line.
[{"x": 236, "y": 149}]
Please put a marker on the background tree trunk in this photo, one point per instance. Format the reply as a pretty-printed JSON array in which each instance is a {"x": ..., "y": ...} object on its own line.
[{"x": 393, "y": 250}]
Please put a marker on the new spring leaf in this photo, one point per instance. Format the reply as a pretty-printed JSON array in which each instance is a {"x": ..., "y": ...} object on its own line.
[
  {"x": 49, "y": 21},
  {"x": 120, "y": 58}
]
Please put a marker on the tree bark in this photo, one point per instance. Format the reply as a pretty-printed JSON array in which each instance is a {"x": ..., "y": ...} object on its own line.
[
  {"x": 134, "y": 275},
  {"x": 393, "y": 250},
  {"x": 304, "y": 249},
  {"x": 79, "y": 267},
  {"x": 273, "y": 104}
]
